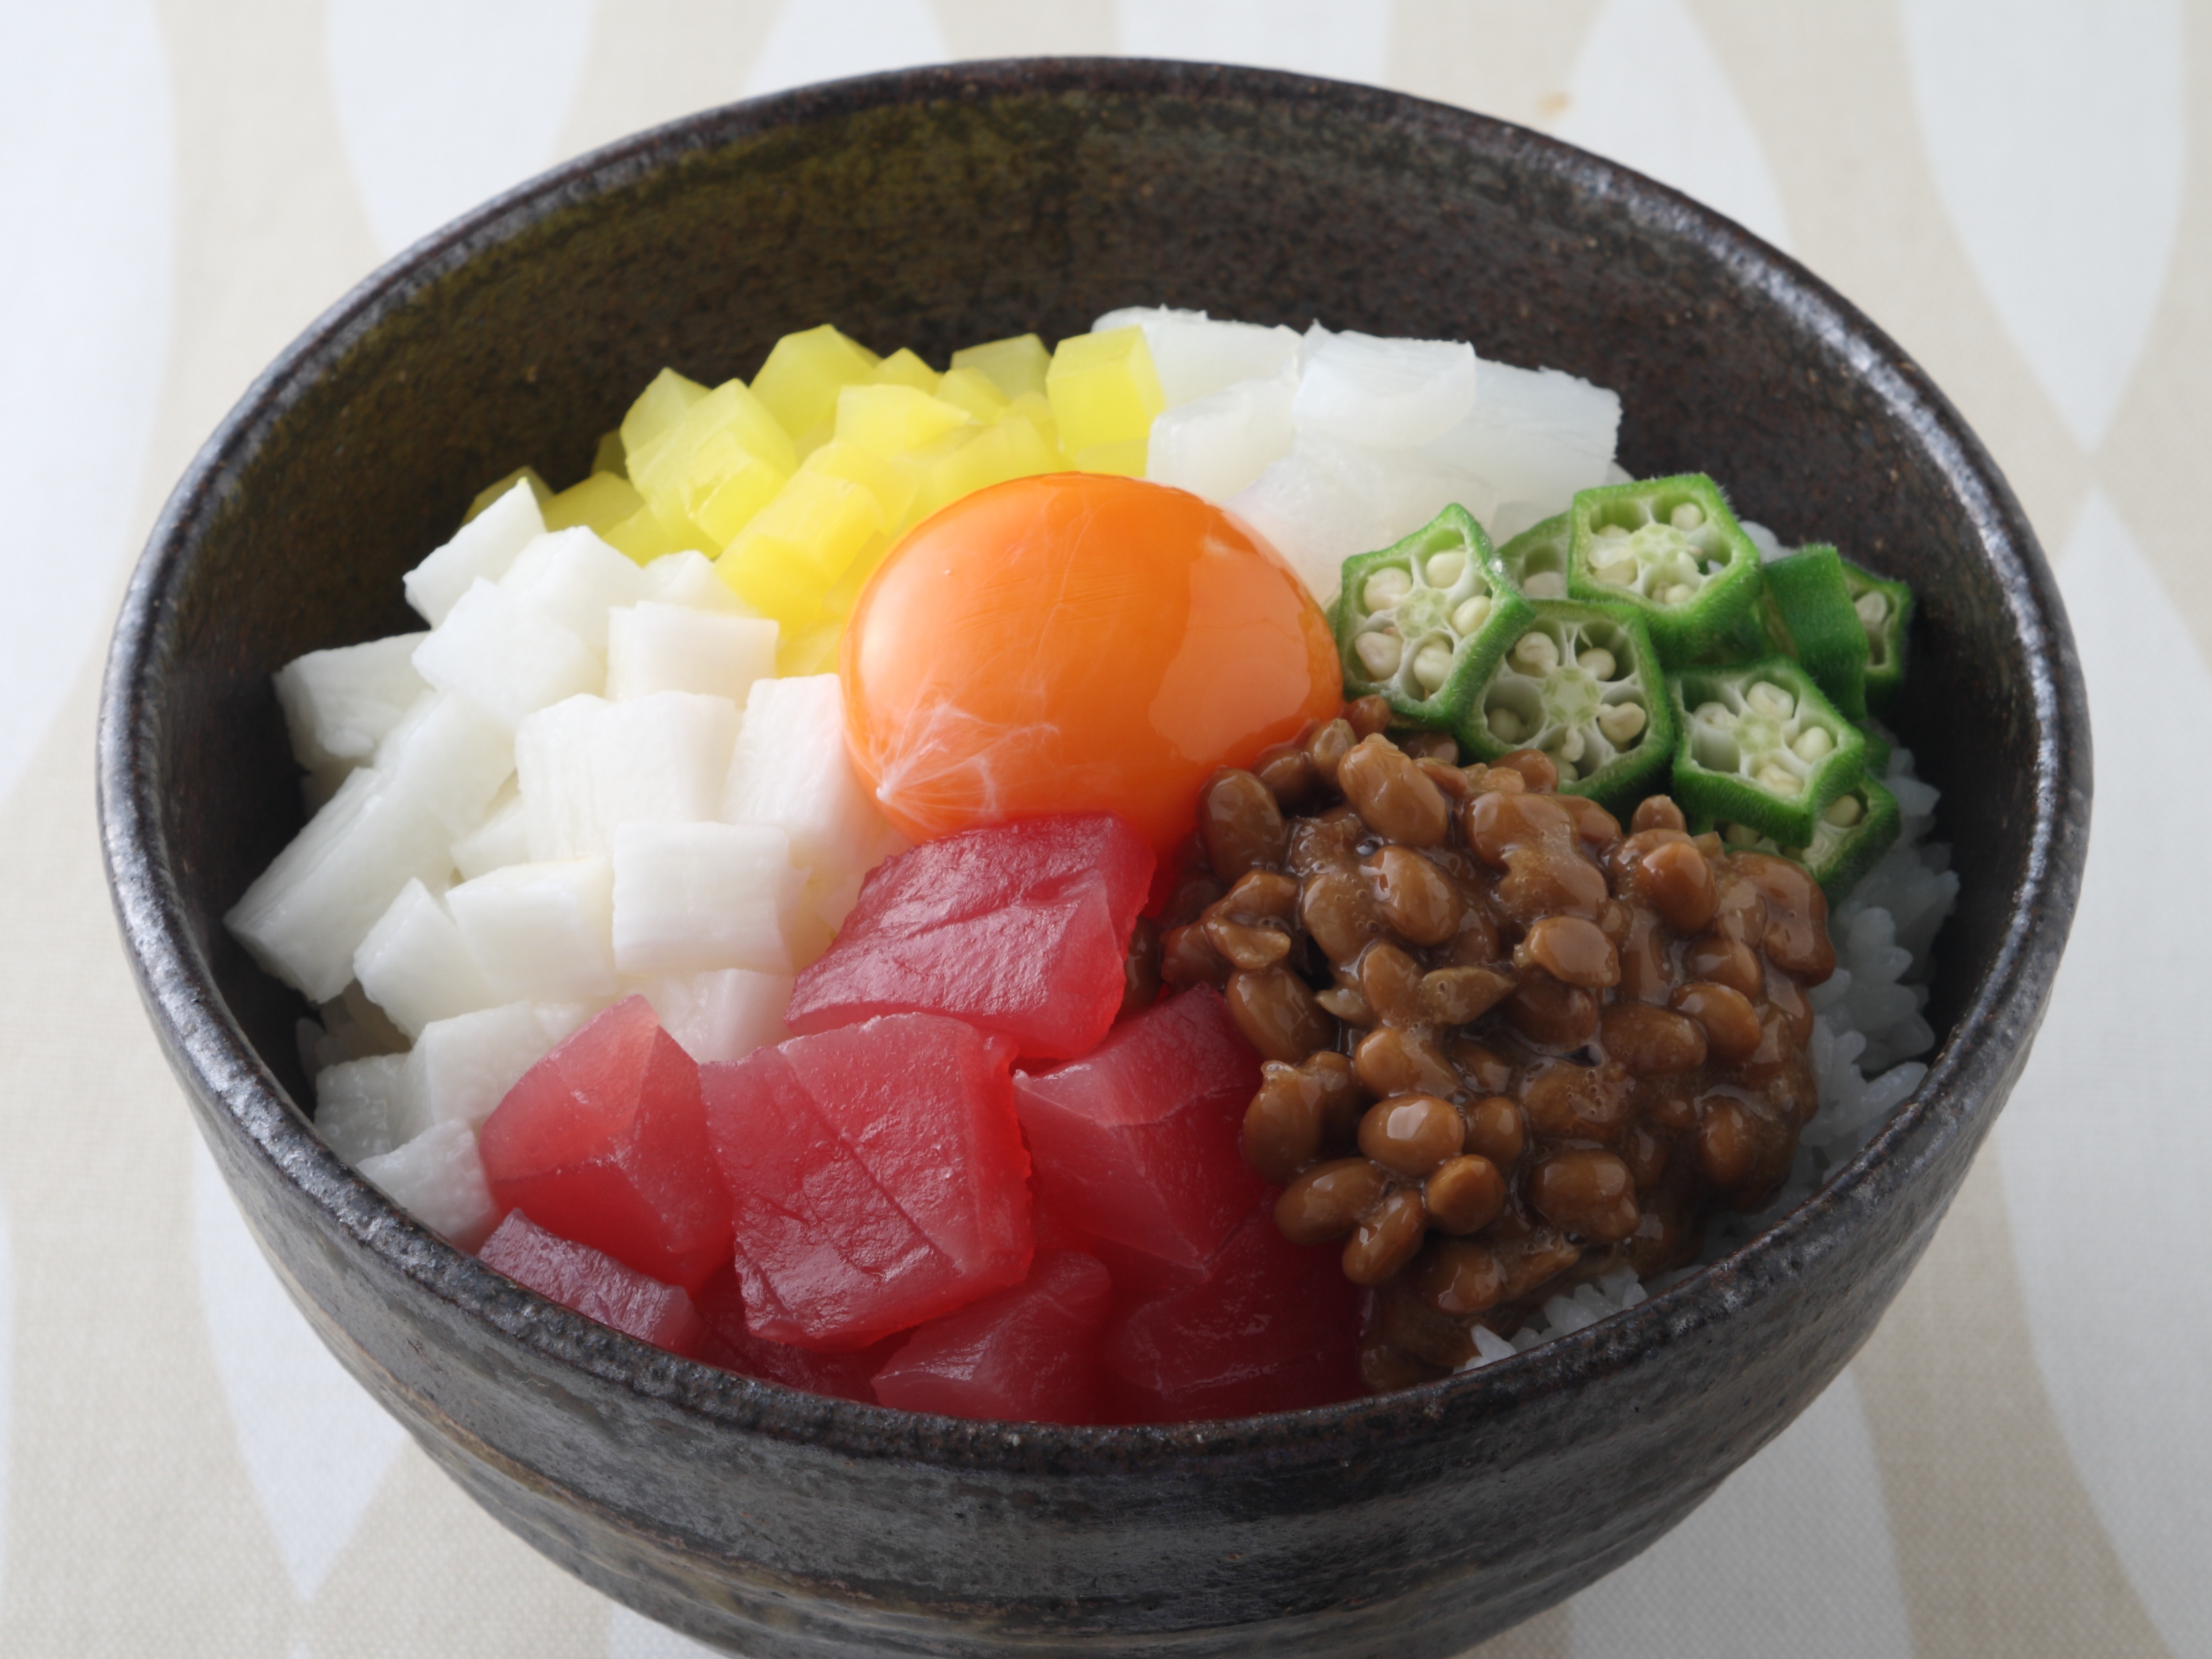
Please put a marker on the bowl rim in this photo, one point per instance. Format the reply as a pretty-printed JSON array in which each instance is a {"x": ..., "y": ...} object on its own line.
[{"x": 209, "y": 1051}]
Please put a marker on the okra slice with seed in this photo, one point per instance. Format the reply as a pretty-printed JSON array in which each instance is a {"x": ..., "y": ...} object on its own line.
[
  {"x": 1425, "y": 620},
  {"x": 1670, "y": 549},
  {"x": 1885, "y": 612},
  {"x": 1808, "y": 612},
  {"x": 1761, "y": 746},
  {"x": 1854, "y": 831},
  {"x": 1535, "y": 561},
  {"x": 1582, "y": 683},
  {"x": 1879, "y": 745}
]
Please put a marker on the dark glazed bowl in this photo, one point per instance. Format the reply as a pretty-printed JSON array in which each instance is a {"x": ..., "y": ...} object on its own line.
[{"x": 934, "y": 208}]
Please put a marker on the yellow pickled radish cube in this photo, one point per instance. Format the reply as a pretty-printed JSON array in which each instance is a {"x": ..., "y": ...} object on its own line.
[
  {"x": 689, "y": 459},
  {"x": 891, "y": 479},
  {"x": 810, "y": 650},
  {"x": 801, "y": 380},
  {"x": 743, "y": 486},
  {"x": 1032, "y": 407},
  {"x": 1126, "y": 459},
  {"x": 973, "y": 390},
  {"x": 645, "y": 538},
  {"x": 1032, "y": 451},
  {"x": 1011, "y": 449},
  {"x": 1014, "y": 366},
  {"x": 611, "y": 456},
  {"x": 902, "y": 368},
  {"x": 1103, "y": 389},
  {"x": 658, "y": 408},
  {"x": 842, "y": 594},
  {"x": 492, "y": 492},
  {"x": 601, "y": 502},
  {"x": 787, "y": 593},
  {"x": 818, "y": 525},
  {"x": 893, "y": 420}
]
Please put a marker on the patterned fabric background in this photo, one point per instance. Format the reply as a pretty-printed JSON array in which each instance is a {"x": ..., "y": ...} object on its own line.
[{"x": 2020, "y": 190}]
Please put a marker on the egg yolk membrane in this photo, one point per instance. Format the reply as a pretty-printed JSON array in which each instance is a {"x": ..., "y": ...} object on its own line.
[{"x": 1077, "y": 642}]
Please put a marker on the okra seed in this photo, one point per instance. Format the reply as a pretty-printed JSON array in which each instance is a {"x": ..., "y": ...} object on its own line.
[
  {"x": 1621, "y": 722},
  {"x": 1843, "y": 812},
  {"x": 1680, "y": 593},
  {"x": 1812, "y": 743},
  {"x": 1380, "y": 654},
  {"x": 1386, "y": 587},
  {"x": 1610, "y": 531},
  {"x": 1471, "y": 615},
  {"x": 1739, "y": 835},
  {"x": 1570, "y": 745},
  {"x": 1622, "y": 575},
  {"x": 1873, "y": 607},
  {"x": 1597, "y": 662},
  {"x": 1446, "y": 568},
  {"x": 1545, "y": 585},
  {"x": 1567, "y": 772},
  {"x": 1535, "y": 653},
  {"x": 1770, "y": 699},
  {"x": 1505, "y": 726},
  {"x": 1779, "y": 779},
  {"x": 1432, "y": 664},
  {"x": 1689, "y": 516},
  {"x": 1718, "y": 715}
]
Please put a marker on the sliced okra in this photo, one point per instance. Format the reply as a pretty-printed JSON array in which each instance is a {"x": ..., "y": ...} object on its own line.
[
  {"x": 1885, "y": 612},
  {"x": 1582, "y": 683},
  {"x": 1760, "y": 746},
  {"x": 1879, "y": 745},
  {"x": 1535, "y": 561},
  {"x": 1809, "y": 614},
  {"x": 1854, "y": 830},
  {"x": 1424, "y": 620},
  {"x": 1670, "y": 549}
]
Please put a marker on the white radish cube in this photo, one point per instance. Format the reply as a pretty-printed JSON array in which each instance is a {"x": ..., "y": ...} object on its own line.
[
  {"x": 672, "y": 647},
  {"x": 689, "y": 897},
  {"x": 575, "y": 578},
  {"x": 688, "y": 579},
  {"x": 481, "y": 550},
  {"x": 721, "y": 1016},
  {"x": 304, "y": 915},
  {"x": 1386, "y": 393},
  {"x": 415, "y": 965},
  {"x": 542, "y": 931},
  {"x": 586, "y": 766},
  {"x": 338, "y": 704},
  {"x": 1196, "y": 355},
  {"x": 554, "y": 750},
  {"x": 450, "y": 755},
  {"x": 507, "y": 655},
  {"x": 438, "y": 1177},
  {"x": 1536, "y": 436},
  {"x": 790, "y": 770},
  {"x": 503, "y": 838},
  {"x": 1222, "y": 442},
  {"x": 460, "y": 1068},
  {"x": 359, "y": 1105}
]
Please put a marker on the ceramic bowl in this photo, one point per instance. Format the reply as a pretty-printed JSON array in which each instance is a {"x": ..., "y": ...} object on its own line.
[{"x": 934, "y": 208}]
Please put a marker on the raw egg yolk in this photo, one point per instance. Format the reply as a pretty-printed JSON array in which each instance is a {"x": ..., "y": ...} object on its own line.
[{"x": 1077, "y": 642}]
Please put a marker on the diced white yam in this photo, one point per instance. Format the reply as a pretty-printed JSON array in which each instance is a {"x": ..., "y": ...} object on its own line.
[
  {"x": 672, "y": 647},
  {"x": 360, "y": 1104},
  {"x": 1534, "y": 436},
  {"x": 553, "y": 772},
  {"x": 416, "y": 966},
  {"x": 790, "y": 770},
  {"x": 1326, "y": 501},
  {"x": 338, "y": 704},
  {"x": 694, "y": 896},
  {"x": 1196, "y": 355},
  {"x": 438, "y": 1177},
  {"x": 304, "y": 915},
  {"x": 585, "y": 765},
  {"x": 481, "y": 550},
  {"x": 451, "y": 755},
  {"x": 503, "y": 838},
  {"x": 721, "y": 1016},
  {"x": 575, "y": 578},
  {"x": 460, "y": 1068},
  {"x": 688, "y": 578},
  {"x": 1218, "y": 444},
  {"x": 507, "y": 655},
  {"x": 542, "y": 931},
  {"x": 1386, "y": 393}
]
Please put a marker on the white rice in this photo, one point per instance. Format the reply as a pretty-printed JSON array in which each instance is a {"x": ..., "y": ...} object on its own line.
[{"x": 1866, "y": 1027}]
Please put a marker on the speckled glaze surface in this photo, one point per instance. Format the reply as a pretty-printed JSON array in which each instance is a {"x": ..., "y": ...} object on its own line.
[{"x": 934, "y": 208}]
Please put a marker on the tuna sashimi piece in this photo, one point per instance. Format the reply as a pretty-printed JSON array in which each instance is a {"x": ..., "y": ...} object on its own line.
[
  {"x": 876, "y": 1176},
  {"x": 1026, "y": 1355},
  {"x": 732, "y": 1344},
  {"x": 594, "y": 1284},
  {"x": 1019, "y": 929},
  {"x": 604, "y": 1141},
  {"x": 1138, "y": 1141},
  {"x": 1265, "y": 1326}
]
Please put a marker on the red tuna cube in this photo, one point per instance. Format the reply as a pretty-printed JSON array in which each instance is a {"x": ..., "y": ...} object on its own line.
[
  {"x": 732, "y": 1344},
  {"x": 594, "y": 1284},
  {"x": 604, "y": 1141},
  {"x": 1026, "y": 1355},
  {"x": 1265, "y": 1326},
  {"x": 1138, "y": 1141},
  {"x": 876, "y": 1177},
  {"x": 1020, "y": 929}
]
